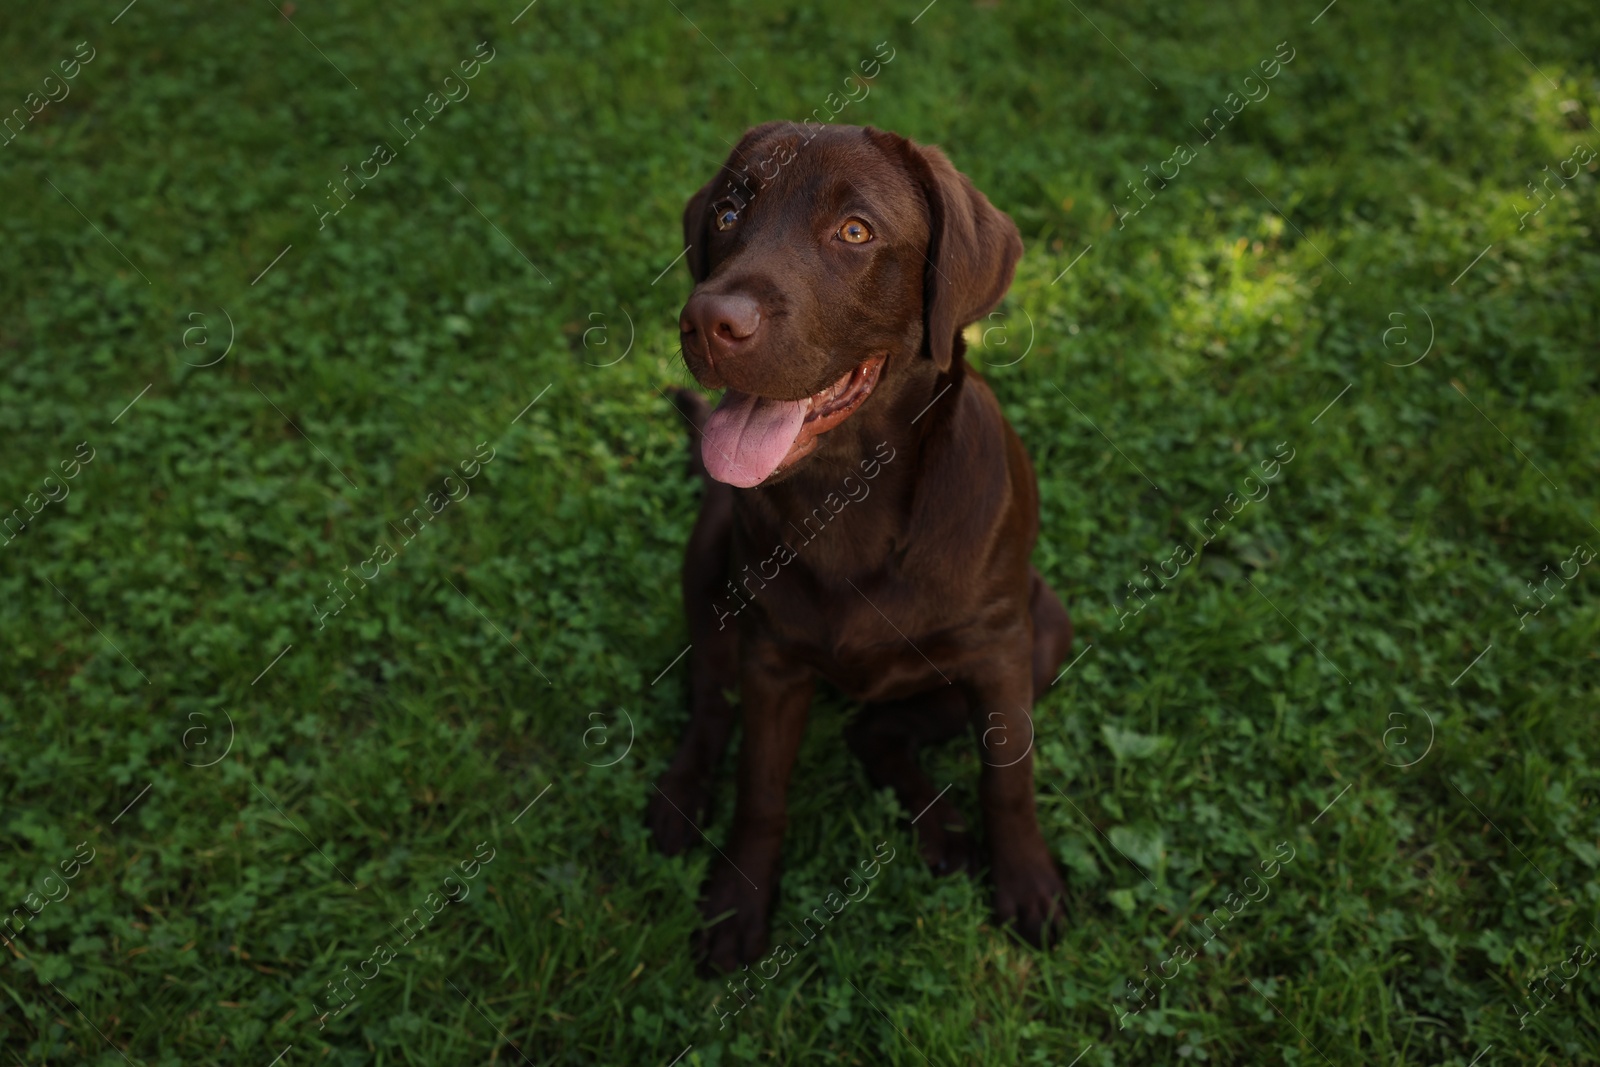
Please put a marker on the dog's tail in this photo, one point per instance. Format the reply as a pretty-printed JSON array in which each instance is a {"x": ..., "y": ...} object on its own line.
[{"x": 695, "y": 409}]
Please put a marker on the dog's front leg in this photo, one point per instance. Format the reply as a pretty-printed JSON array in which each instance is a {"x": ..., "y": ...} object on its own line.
[
  {"x": 775, "y": 698},
  {"x": 1027, "y": 889}
]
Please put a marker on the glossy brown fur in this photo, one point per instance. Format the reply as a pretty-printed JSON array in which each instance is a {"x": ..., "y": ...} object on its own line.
[{"x": 918, "y": 598}]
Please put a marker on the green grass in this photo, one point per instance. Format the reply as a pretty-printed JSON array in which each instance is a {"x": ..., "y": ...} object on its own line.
[{"x": 512, "y": 651}]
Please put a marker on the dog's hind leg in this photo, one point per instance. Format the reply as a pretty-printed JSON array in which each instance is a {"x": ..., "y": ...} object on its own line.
[
  {"x": 678, "y": 806},
  {"x": 1052, "y": 634},
  {"x": 886, "y": 738}
]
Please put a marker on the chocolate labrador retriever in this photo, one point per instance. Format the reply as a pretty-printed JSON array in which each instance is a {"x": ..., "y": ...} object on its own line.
[{"x": 868, "y": 512}]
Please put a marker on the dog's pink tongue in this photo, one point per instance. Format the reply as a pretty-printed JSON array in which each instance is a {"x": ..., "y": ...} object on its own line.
[{"x": 748, "y": 436}]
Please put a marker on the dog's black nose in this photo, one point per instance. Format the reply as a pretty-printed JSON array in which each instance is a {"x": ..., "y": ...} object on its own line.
[{"x": 726, "y": 323}]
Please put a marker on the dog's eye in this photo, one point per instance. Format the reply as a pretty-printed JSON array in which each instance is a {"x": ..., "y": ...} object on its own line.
[
  {"x": 727, "y": 215},
  {"x": 855, "y": 232}
]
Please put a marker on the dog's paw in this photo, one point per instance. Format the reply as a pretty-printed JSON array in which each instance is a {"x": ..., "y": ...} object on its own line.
[
  {"x": 1028, "y": 896},
  {"x": 727, "y": 941},
  {"x": 672, "y": 814}
]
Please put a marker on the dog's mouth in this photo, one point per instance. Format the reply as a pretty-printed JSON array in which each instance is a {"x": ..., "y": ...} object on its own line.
[{"x": 749, "y": 438}]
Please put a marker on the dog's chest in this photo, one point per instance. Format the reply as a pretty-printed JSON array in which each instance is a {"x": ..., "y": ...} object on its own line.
[{"x": 874, "y": 639}]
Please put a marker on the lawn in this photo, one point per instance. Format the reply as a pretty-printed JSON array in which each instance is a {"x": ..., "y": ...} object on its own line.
[{"x": 1303, "y": 346}]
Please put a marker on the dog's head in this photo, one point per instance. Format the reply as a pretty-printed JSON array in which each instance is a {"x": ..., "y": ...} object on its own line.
[{"x": 833, "y": 265}]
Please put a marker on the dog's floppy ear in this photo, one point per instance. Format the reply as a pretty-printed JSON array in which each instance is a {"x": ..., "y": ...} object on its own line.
[
  {"x": 697, "y": 231},
  {"x": 973, "y": 248}
]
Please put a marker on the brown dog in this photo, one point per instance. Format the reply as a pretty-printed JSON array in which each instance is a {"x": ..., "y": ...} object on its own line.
[{"x": 835, "y": 271}]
